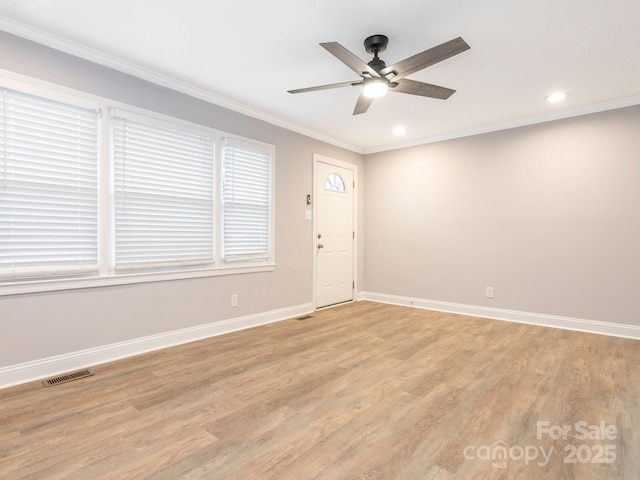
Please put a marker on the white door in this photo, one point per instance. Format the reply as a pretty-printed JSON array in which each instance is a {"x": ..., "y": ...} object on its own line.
[{"x": 334, "y": 242}]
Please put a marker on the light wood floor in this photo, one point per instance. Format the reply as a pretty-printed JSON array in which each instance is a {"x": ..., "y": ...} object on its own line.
[{"x": 361, "y": 391}]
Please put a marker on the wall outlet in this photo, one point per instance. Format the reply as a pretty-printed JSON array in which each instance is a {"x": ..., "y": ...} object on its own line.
[
  {"x": 234, "y": 300},
  {"x": 489, "y": 292}
]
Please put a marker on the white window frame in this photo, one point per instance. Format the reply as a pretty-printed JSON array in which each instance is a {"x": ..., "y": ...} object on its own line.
[
  {"x": 138, "y": 259},
  {"x": 49, "y": 187},
  {"x": 107, "y": 275},
  {"x": 261, "y": 152}
]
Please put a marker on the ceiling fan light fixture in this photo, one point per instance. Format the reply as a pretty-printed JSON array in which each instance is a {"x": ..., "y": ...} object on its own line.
[{"x": 374, "y": 88}]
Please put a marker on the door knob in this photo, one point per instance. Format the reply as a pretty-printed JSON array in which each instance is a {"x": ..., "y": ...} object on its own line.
[{"x": 320, "y": 246}]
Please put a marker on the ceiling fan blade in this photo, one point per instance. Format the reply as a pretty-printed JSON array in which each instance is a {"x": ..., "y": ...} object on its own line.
[
  {"x": 423, "y": 89},
  {"x": 349, "y": 59},
  {"x": 424, "y": 59},
  {"x": 363, "y": 104},
  {"x": 325, "y": 87}
]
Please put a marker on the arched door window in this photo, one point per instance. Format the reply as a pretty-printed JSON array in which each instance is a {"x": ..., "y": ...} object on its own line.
[{"x": 335, "y": 182}]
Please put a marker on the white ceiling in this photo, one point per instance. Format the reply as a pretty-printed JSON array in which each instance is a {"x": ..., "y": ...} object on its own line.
[{"x": 245, "y": 54}]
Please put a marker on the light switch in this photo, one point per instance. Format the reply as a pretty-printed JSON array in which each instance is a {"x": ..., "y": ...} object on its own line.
[{"x": 307, "y": 214}]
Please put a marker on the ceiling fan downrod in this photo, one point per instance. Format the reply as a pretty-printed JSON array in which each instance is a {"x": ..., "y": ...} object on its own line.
[{"x": 376, "y": 44}]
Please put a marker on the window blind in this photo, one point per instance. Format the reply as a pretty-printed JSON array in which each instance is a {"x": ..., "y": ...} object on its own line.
[
  {"x": 246, "y": 200},
  {"x": 48, "y": 187},
  {"x": 163, "y": 181}
]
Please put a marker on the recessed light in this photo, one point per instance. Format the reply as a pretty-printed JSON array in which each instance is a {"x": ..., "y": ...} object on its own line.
[
  {"x": 556, "y": 97},
  {"x": 399, "y": 131}
]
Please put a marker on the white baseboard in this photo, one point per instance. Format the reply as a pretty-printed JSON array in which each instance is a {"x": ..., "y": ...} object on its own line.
[
  {"x": 567, "y": 323},
  {"x": 47, "y": 367}
]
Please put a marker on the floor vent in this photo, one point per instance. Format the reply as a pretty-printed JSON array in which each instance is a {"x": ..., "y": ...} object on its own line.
[
  {"x": 67, "y": 377},
  {"x": 306, "y": 317}
]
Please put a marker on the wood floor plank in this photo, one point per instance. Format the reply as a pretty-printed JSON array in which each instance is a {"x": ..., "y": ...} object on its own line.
[{"x": 359, "y": 391}]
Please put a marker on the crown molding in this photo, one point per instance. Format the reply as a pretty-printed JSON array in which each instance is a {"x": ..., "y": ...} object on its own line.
[
  {"x": 516, "y": 123},
  {"x": 73, "y": 48}
]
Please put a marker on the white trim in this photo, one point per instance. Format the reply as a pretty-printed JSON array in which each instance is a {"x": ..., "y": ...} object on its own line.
[
  {"x": 52, "y": 91},
  {"x": 514, "y": 123},
  {"x": 59, "y": 284},
  {"x": 554, "y": 321},
  {"x": 46, "y": 367},
  {"x": 105, "y": 276},
  {"x": 58, "y": 43}
]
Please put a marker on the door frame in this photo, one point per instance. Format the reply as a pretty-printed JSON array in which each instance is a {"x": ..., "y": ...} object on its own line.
[{"x": 317, "y": 158}]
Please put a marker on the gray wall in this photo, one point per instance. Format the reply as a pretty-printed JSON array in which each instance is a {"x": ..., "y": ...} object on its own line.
[
  {"x": 548, "y": 215},
  {"x": 35, "y": 326}
]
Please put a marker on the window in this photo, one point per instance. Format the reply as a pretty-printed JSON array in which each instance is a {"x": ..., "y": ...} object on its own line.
[
  {"x": 48, "y": 194},
  {"x": 335, "y": 182},
  {"x": 246, "y": 201},
  {"x": 136, "y": 197},
  {"x": 163, "y": 196}
]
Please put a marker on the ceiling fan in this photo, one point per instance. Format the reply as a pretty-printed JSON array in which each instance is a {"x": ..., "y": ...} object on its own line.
[{"x": 377, "y": 78}]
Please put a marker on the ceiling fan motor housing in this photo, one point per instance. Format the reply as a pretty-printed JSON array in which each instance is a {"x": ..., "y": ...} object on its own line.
[
  {"x": 377, "y": 64},
  {"x": 376, "y": 44}
]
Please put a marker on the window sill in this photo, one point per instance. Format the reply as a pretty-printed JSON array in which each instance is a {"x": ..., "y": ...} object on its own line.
[{"x": 126, "y": 279}]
